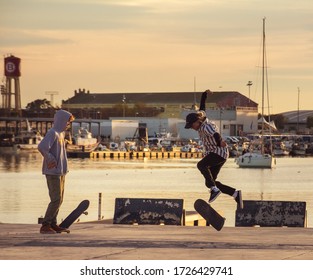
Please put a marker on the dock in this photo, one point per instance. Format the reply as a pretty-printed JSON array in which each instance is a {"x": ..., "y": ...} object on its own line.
[{"x": 135, "y": 154}]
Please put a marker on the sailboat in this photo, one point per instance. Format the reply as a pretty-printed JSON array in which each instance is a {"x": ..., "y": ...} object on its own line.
[
  {"x": 261, "y": 158},
  {"x": 27, "y": 140}
]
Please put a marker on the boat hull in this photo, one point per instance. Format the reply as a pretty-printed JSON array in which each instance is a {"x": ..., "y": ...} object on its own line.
[
  {"x": 27, "y": 147},
  {"x": 252, "y": 160},
  {"x": 81, "y": 148}
]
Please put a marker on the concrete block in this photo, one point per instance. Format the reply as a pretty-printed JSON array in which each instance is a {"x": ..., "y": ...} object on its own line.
[
  {"x": 148, "y": 211},
  {"x": 271, "y": 214}
]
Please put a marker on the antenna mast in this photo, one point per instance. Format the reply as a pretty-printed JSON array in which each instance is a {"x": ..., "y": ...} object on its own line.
[{"x": 52, "y": 93}]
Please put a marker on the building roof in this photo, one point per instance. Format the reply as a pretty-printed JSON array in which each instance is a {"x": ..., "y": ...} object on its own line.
[
  {"x": 222, "y": 98},
  {"x": 292, "y": 116}
]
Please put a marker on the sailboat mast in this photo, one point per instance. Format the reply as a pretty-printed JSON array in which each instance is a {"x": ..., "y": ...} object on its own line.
[
  {"x": 263, "y": 71},
  {"x": 263, "y": 75}
]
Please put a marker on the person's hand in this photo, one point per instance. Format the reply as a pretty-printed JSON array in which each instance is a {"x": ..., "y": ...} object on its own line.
[
  {"x": 51, "y": 164},
  {"x": 223, "y": 144}
]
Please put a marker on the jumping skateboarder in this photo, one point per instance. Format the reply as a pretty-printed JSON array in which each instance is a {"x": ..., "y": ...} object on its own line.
[{"x": 215, "y": 152}]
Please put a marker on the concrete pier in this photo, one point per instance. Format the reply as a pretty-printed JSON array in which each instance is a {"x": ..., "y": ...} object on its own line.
[{"x": 105, "y": 241}]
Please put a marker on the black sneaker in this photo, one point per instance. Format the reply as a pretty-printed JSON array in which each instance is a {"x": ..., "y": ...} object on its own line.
[
  {"x": 214, "y": 195},
  {"x": 238, "y": 199}
]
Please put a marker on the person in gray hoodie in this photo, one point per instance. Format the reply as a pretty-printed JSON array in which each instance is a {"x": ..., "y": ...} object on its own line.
[{"x": 54, "y": 167}]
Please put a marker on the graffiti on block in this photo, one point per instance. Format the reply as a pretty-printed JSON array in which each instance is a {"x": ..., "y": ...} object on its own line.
[
  {"x": 271, "y": 213},
  {"x": 148, "y": 211}
]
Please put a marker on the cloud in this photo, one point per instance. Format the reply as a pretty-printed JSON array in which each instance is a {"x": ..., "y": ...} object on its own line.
[
  {"x": 174, "y": 21},
  {"x": 67, "y": 15},
  {"x": 17, "y": 38}
]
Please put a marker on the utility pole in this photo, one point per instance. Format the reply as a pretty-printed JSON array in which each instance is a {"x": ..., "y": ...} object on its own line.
[
  {"x": 249, "y": 84},
  {"x": 124, "y": 104},
  {"x": 52, "y": 93},
  {"x": 194, "y": 94},
  {"x": 298, "y": 116}
]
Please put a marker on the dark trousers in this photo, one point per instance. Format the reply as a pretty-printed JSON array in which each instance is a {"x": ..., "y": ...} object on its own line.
[
  {"x": 209, "y": 167},
  {"x": 56, "y": 193}
]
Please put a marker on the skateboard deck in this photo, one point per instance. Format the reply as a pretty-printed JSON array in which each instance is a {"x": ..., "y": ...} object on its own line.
[
  {"x": 209, "y": 214},
  {"x": 75, "y": 214}
]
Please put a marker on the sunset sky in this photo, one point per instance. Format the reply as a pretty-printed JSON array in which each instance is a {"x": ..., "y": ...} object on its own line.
[{"x": 114, "y": 46}]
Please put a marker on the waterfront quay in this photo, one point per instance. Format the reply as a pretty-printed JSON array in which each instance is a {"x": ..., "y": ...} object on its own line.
[{"x": 106, "y": 241}]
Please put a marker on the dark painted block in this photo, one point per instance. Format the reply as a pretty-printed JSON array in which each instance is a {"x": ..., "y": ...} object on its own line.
[
  {"x": 271, "y": 214},
  {"x": 148, "y": 211}
]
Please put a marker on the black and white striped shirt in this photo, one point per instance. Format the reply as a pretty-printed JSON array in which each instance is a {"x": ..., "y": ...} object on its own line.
[{"x": 206, "y": 132}]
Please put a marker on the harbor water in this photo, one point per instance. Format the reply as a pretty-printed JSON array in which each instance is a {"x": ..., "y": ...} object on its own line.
[{"x": 24, "y": 194}]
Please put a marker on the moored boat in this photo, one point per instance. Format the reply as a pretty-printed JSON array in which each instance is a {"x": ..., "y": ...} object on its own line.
[
  {"x": 83, "y": 141},
  {"x": 261, "y": 158},
  {"x": 256, "y": 160},
  {"x": 27, "y": 140},
  {"x": 23, "y": 140}
]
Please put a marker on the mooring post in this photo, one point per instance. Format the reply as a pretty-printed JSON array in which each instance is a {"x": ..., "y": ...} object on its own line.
[{"x": 99, "y": 206}]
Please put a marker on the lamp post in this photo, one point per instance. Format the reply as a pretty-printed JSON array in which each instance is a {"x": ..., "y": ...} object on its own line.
[
  {"x": 298, "y": 110},
  {"x": 221, "y": 113},
  {"x": 249, "y": 84},
  {"x": 124, "y": 101},
  {"x": 52, "y": 93}
]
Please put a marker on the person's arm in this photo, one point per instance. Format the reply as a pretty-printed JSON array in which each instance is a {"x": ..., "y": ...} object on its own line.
[
  {"x": 203, "y": 99},
  {"x": 219, "y": 140},
  {"x": 44, "y": 148}
]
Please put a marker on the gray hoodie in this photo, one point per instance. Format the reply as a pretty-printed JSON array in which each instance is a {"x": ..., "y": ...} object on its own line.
[{"x": 52, "y": 147}]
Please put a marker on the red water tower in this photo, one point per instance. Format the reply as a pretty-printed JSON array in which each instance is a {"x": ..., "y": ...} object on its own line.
[
  {"x": 12, "y": 66},
  {"x": 11, "y": 89}
]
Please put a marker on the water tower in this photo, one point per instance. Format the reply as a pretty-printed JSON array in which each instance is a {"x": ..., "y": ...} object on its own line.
[{"x": 11, "y": 95}]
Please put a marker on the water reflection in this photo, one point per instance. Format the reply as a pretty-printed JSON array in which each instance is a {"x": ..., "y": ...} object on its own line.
[
  {"x": 16, "y": 162},
  {"x": 20, "y": 162}
]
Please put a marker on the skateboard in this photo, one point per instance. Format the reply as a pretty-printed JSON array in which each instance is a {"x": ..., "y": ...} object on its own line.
[
  {"x": 75, "y": 214},
  {"x": 209, "y": 214}
]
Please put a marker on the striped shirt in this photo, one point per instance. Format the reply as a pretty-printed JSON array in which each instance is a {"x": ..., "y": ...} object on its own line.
[{"x": 206, "y": 132}]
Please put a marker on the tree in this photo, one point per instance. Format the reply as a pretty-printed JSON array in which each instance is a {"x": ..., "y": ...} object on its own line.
[
  {"x": 39, "y": 108},
  {"x": 39, "y": 104},
  {"x": 309, "y": 122},
  {"x": 279, "y": 120}
]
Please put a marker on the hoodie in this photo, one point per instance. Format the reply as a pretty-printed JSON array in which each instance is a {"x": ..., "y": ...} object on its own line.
[{"x": 52, "y": 147}]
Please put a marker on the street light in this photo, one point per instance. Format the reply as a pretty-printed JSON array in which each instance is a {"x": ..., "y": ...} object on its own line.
[
  {"x": 249, "y": 84},
  {"x": 298, "y": 110},
  {"x": 221, "y": 113},
  {"x": 124, "y": 101},
  {"x": 52, "y": 93}
]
